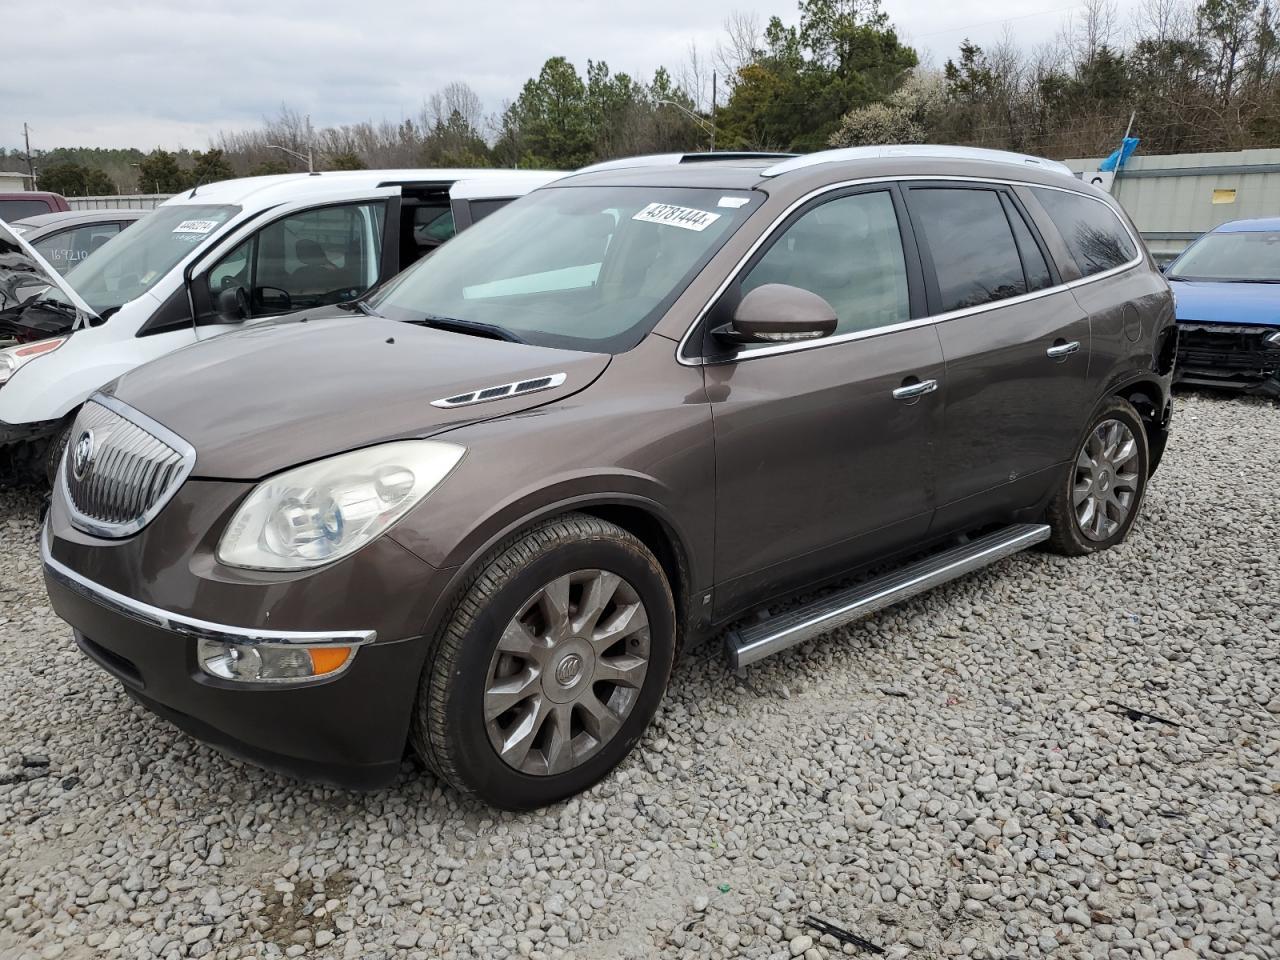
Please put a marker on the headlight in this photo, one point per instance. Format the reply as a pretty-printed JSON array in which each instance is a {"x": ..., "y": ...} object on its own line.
[
  {"x": 12, "y": 358},
  {"x": 319, "y": 513}
]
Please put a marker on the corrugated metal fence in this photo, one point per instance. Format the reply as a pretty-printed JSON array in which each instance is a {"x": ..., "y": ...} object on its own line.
[
  {"x": 1175, "y": 198},
  {"x": 127, "y": 201}
]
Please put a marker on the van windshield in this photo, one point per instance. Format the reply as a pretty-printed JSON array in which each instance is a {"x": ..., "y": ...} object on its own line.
[
  {"x": 130, "y": 264},
  {"x": 586, "y": 268}
]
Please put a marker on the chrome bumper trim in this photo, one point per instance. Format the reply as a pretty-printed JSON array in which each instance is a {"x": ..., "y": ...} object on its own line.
[{"x": 187, "y": 626}]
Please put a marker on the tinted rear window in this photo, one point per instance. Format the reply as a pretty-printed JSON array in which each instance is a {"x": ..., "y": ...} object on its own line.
[
  {"x": 482, "y": 208},
  {"x": 11, "y": 210},
  {"x": 1038, "y": 276},
  {"x": 1094, "y": 235},
  {"x": 974, "y": 255}
]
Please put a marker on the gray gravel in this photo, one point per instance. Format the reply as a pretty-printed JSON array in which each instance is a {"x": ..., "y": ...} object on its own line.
[{"x": 947, "y": 779}]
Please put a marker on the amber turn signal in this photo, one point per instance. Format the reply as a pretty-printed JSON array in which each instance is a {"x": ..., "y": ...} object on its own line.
[{"x": 328, "y": 659}]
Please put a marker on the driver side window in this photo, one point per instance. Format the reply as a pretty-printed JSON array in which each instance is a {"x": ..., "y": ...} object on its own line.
[
  {"x": 309, "y": 259},
  {"x": 849, "y": 252}
]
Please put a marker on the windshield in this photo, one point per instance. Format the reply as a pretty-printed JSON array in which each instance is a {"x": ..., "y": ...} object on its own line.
[
  {"x": 587, "y": 268},
  {"x": 1239, "y": 257},
  {"x": 129, "y": 265}
]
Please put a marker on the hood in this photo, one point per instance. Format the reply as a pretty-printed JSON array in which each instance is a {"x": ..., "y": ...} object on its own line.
[
  {"x": 279, "y": 394},
  {"x": 24, "y": 276},
  {"x": 1204, "y": 301}
]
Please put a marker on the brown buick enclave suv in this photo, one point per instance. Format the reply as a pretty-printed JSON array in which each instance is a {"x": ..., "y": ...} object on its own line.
[{"x": 484, "y": 510}]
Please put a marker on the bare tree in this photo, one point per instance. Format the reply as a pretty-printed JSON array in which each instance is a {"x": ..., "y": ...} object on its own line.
[
  {"x": 455, "y": 98},
  {"x": 742, "y": 41}
]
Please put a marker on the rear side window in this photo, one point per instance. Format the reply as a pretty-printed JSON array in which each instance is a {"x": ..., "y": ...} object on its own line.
[
  {"x": 975, "y": 257},
  {"x": 1037, "y": 269},
  {"x": 1094, "y": 235},
  {"x": 482, "y": 208}
]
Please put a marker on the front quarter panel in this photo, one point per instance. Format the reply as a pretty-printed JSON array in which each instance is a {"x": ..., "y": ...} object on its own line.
[
  {"x": 639, "y": 436},
  {"x": 52, "y": 386}
]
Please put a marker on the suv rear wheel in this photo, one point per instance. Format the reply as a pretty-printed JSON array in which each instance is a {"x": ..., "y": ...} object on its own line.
[
  {"x": 1103, "y": 487},
  {"x": 550, "y": 665}
]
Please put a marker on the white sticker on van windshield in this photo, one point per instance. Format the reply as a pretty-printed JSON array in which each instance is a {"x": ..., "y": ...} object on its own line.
[
  {"x": 195, "y": 226},
  {"x": 687, "y": 218},
  {"x": 733, "y": 202}
]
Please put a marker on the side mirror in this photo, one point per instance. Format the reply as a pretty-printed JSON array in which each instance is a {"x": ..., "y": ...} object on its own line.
[
  {"x": 779, "y": 313},
  {"x": 233, "y": 304}
]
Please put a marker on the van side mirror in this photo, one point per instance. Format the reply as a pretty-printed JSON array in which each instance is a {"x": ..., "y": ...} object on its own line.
[
  {"x": 779, "y": 313},
  {"x": 233, "y": 304}
]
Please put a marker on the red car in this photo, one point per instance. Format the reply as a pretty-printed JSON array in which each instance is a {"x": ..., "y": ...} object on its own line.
[{"x": 29, "y": 203}]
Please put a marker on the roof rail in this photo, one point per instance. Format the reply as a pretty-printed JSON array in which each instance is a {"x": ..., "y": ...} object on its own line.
[
  {"x": 667, "y": 159},
  {"x": 918, "y": 150}
]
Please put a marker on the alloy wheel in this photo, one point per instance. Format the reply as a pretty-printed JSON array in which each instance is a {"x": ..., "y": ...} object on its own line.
[
  {"x": 1106, "y": 479},
  {"x": 567, "y": 671}
]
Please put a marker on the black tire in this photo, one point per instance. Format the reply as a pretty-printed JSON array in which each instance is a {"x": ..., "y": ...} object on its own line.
[
  {"x": 57, "y": 446},
  {"x": 1067, "y": 537},
  {"x": 449, "y": 729}
]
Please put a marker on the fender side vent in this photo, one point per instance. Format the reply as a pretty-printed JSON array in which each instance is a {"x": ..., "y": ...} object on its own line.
[{"x": 485, "y": 394}]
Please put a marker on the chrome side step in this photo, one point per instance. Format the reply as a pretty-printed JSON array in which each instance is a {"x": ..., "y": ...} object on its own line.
[{"x": 748, "y": 644}]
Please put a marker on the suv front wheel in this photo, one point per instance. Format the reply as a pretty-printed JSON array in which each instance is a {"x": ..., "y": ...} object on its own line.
[
  {"x": 1103, "y": 487},
  {"x": 549, "y": 666}
]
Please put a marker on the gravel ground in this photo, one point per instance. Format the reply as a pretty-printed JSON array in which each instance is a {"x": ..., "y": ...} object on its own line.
[{"x": 946, "y": 779}]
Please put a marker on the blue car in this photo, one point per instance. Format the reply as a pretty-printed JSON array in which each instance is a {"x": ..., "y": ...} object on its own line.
[{"x": 1227, "y": 287}]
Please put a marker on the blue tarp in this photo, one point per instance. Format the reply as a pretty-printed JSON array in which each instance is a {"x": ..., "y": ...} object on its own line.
[{"x": 1122, "y": 153}]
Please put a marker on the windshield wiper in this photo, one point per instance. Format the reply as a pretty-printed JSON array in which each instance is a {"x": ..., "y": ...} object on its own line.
[
  {"x": 360, "y": 306},
  {"x": 473, "y": 327}
]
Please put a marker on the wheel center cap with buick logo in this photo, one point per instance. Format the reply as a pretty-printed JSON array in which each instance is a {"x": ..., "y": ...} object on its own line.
[
  {"x": 569, "y": 670},
  {"x": 82, "y": 455}
]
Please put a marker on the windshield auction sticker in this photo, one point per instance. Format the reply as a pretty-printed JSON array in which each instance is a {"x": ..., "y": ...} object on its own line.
[
  {"x": 687, "y": 218},
  {"x": 195, "y": 226}
]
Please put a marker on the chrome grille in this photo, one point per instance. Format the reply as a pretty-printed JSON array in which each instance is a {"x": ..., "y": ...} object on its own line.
[{"x": 120, "y": 468}]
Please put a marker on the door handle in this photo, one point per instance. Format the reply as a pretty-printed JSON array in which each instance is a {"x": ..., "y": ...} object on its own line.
[
  {"x": 1060, "y": 351},
  {"x": 912, "y": 390}
]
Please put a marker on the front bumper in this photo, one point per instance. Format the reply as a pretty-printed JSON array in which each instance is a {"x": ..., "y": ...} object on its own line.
[
  {"x": 13, "y": 433},
  {"x": 348, "y": 730},
  {"x": 1229, "y": 357}
]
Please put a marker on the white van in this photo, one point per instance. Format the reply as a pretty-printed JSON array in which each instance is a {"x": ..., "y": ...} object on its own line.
[{"x": 209, "y": 259}]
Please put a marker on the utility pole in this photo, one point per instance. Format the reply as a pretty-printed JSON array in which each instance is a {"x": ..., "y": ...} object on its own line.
[
  {"x": 713, "y": 111},
  {"x": 31, "y": 170}
]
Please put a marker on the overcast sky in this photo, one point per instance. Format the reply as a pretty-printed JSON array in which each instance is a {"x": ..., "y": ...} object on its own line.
[{"x": 149, "y": 73}]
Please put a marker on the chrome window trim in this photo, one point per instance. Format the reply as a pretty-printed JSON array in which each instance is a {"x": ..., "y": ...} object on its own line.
[
  {"x": 773, "y": 350},
  {"x": 115, "y": 531},
  {"x": 178, "y": 623}
]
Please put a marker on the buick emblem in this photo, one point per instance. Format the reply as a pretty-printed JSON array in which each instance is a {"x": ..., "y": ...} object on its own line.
[
  {"x": 568, "y": 670},
  {"x": 82, "y": 455}
]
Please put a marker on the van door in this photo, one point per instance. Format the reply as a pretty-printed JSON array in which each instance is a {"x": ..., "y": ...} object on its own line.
[
  {"x": 298, "y": 256},
  {"x": 824, "y": 450},
  {"x": 1016, "y": 345}
]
